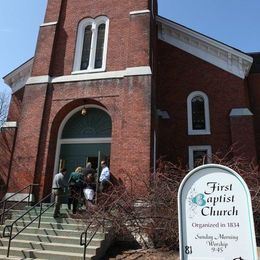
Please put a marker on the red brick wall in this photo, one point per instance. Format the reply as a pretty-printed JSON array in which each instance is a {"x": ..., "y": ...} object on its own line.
[
  {"x": 179, "y": 74},
  {"x": 128, "y": 42},
  {"x": 27, "y": 141},
  {"x": 46, "y": 38},
  {"x": 243, "y": 137},
  {"x": 7, "y": 138},
  {"x": 254, "y": 83},
  {"x": 16, "y": 105},
  {"x": 127, "y": 100}
]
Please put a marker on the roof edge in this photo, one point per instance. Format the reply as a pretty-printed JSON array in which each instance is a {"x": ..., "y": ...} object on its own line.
[{"x": 204, "y": 47}]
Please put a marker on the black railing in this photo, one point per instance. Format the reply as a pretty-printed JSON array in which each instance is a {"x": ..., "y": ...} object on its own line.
[
  {"x": 8, "y": 230},
  {"x": 85, "y": 242},
  {"x": 4, "y": 202}
]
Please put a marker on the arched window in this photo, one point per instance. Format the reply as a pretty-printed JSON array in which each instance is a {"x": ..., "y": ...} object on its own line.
[
  {"x": 198, "y": 113},
  {"x": 199, "y": 155},
  {"x": 91, "y": 45},
  {"x": 95, "y": 124}
]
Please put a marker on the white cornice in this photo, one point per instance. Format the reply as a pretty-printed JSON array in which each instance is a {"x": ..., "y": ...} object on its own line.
[
  {"x": 205, "y": 48},
  {"x": 18, "y": 77},
  {"x": 134, "y": 71}
]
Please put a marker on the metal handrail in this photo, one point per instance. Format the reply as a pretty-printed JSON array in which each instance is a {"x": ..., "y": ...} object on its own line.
[
  {"x": 84, "y": 242},
  {"x": 9, "y": 228},
  {"x": 4, "y": 210}
]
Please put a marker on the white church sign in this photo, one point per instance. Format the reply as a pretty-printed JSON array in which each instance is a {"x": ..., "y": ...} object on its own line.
[{"x": 215, "y": 216}]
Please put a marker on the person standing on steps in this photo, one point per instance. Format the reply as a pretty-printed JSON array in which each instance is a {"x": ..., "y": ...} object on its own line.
[
  {"x": 59, "y": 186},
  {"x": 75, "y": 189},
  {"x": 104, "y": 177},
  {"x": 89, "y": 190}
]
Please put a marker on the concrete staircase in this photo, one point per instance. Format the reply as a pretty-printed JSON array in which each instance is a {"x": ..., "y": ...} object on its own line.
[{"x": 57, "y": 238}]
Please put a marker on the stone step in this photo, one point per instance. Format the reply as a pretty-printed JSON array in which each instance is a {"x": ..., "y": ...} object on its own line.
[
  {"x": 91, "y": 250},
  {"x": 52, "y": 232},
  {"x": 44, "y": 206},
  {"x": 56, "y": 239},
  {"x": 51, "y": 219},
  {"x": 3, "y": 257},
  {"x": 37, "y": 209},
  {"x": 82, "y": 214},
  {"x": 66, "y": 213},
  {"x": 15, "y": 213},
  {"x": 43, "y": 254},
  {"x": 55, "y": 224}
]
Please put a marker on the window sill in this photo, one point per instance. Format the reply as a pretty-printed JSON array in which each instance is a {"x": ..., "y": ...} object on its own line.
[
  {"x": 87, "y": 71},
  {"x": 199, "y": 132}
]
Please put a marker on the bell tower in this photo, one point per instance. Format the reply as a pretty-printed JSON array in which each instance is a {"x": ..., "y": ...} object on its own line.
[{"x": 89, "y": 54}]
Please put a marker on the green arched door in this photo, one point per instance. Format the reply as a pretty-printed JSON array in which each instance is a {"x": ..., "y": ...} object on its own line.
[{"x": 85, "y": 138}]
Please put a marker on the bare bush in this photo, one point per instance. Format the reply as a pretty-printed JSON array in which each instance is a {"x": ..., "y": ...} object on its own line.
[
  {"x": 4, "y": 104},
  {"x": 249, "y": 171},
  {"x": 148, "y": 209}
]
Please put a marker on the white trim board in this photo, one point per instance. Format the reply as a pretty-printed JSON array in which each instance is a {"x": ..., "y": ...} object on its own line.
[
  {"x": 9, "y": 124},
  {"x": 48, "y": 24},
  {"x": 19, "y": 197},
  {"x": 139, "y": 12},
  {"x": 83, "y": 76},
  {"x": 235, "y": 112},
  {"x": 86, "y": 141},
  {"x": 205, "y": 48}
]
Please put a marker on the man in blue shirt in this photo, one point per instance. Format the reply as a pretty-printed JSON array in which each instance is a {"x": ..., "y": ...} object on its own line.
[{"x": 104, "y": 178}]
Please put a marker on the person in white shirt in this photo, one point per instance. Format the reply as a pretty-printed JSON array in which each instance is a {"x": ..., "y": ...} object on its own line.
[
  {"x": 58, "y": 187},
  {"x": 104, "y": 178}
]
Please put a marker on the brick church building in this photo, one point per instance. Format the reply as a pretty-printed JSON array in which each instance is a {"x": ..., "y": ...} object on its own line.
[{"x": 116, "y": 81}]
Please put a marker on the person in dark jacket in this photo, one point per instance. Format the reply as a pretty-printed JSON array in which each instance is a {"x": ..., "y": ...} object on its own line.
[
  {"x": 75, "y": 187},
  {"x": 88, "y": 170}
]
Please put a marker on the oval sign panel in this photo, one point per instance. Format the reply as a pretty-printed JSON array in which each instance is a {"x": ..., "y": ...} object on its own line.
[{"x": 215, "y": 216}]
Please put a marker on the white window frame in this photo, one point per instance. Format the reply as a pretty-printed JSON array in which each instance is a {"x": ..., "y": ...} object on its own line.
[
  {"x": 79, "y": 44},
  {"x": 192, "y": 149},
  {"x": 192, "y": 131}
]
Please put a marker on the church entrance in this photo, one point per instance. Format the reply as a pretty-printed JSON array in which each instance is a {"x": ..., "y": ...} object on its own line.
[
  {"x": 74, "y": 155},
  {"x": 84, "y": 136}
]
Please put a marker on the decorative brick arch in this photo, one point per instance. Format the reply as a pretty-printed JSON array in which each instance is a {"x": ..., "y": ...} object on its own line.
[{"x": 56, "y": 128}]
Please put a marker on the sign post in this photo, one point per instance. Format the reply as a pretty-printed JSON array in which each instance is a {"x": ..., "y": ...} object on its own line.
[{"x": 215, "y": 216}]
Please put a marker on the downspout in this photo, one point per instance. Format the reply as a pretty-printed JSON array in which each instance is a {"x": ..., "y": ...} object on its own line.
[{"x": 154, "y": 151}]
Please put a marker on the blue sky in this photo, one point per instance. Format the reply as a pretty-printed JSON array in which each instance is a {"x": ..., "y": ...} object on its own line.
[{"x": 234, "y": 22}]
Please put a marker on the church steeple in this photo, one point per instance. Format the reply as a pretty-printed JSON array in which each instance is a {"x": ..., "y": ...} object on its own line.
[
  {"x": 115, "y": 34},
  {"x": 90, "y": 54}
]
